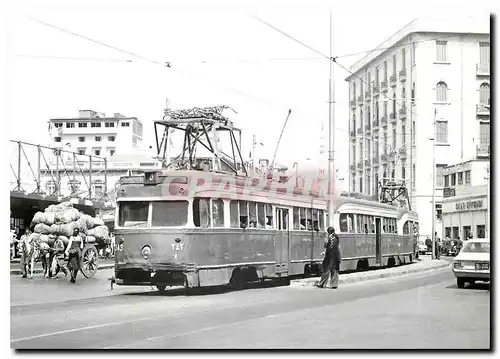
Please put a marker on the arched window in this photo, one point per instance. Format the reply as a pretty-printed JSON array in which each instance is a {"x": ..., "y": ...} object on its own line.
[
  {"x": 377, "y": 110},
  {"x": 403, "y": 93},
  {"x": 394, "y": 102},
  {"x": 354, "y": 90},
  {"x": 360, "y": 118},
  {"x": 353, "y": 122},
  {"x": 441, "y": 92},
  {"x": 484, "y": 94}
]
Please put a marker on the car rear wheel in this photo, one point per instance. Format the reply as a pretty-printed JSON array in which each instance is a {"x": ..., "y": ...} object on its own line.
[{"x": 460, "y": 283}]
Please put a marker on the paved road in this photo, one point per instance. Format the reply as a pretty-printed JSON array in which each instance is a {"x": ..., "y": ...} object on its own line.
[{"x": 416, "y": 311}]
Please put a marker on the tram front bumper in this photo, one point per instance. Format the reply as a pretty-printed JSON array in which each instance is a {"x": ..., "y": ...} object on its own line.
[{"x": 152, "y": 274}]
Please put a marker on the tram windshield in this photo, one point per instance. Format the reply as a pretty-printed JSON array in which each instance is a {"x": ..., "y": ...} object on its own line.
[{"x": 164, "y": 214}]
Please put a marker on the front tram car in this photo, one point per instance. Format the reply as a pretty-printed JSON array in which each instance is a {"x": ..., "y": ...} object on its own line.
[{"x": 180, "y": 228}]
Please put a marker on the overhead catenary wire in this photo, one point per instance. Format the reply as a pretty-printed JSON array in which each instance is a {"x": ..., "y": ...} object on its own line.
[
  {"x": 70, "y": 58},
  {"x": 334, "y": 58},
  {"x": 195, "y": 77}
]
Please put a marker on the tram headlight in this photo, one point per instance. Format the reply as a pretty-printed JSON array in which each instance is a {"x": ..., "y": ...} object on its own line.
[{"x": 146, "y": 251}]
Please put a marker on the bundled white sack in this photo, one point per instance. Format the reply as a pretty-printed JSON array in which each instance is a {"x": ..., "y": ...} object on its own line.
[
  {"x": 42, "y": 228},
  {"x": 90, "y": 239},
  {"x": 64, "y": 240},
  {"x": 68, "y": 229},
  {"x": 67, "y": 216},
  {"x": 100, "y": 232}
]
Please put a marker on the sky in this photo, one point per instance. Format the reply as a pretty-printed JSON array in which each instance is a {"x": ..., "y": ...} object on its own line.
[{"x": 219, "y": 54}]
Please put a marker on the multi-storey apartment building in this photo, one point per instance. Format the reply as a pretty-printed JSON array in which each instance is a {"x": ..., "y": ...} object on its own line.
[
  {"x": 118, "y": 139},
  {"x": 93, "y": 133},
  {"x": 430, "y": 73}
]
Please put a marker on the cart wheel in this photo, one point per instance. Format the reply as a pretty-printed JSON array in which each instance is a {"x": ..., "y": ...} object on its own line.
[{"x": 90, "y": 261}]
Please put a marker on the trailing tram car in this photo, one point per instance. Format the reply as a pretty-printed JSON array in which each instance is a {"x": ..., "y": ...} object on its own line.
[{"x": 198, "y": 229}]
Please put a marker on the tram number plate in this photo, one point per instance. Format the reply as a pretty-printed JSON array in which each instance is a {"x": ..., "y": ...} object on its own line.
[
  {"x": 177, "y": 246},
  {"x": 119, "y": 247}
]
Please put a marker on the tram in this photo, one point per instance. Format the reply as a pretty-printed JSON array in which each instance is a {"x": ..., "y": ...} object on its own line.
[{"x": 197, "y": 225}]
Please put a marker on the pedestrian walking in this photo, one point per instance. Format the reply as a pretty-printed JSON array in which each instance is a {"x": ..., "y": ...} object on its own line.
[
  {"x": 331, "y": 262},
  {"x": 23, "y": 250},
  {"x": 74, "y": 253}
]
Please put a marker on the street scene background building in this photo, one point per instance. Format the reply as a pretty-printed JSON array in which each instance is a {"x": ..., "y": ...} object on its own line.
[{"x": 430, "y": 70}]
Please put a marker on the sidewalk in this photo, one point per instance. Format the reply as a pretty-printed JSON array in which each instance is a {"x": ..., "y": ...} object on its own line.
[
  {"x": 15, "y": 266},
  {"x": 417, "y": 267}
]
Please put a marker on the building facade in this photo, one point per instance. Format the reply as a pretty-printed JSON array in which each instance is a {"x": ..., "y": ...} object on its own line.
[
  {"x": 92, "y": 133},
  {"x": 96, "y": 151},
  {"x": 466, "y": 200},
  {"x": 430, "y": 77}
]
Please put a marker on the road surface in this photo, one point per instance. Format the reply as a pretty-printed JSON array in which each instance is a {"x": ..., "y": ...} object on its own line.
[{"x": 414, "y": 311}]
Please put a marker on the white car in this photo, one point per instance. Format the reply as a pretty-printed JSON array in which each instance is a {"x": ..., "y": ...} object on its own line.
[
  {"x": 422, "y": 247},
  {"x": 473, "y": 262}
]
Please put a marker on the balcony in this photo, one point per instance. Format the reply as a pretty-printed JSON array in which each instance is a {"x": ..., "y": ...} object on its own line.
[
  {"x": 376, "y": 90},
  {"x": 392, "y": 117},
  {"x": 392, "y": 155},
  {"x": 448, "y": 192},
  {"x": 360, "y": 131},
  {"x": 375, "y": 160},
  {"x": 392, "y": 80},
  {"x": 353, "y": 167},
  {"x": 402, "y": 75},
  {"x": 368, "y": 127},
  {"x": 402, "y": 113},
  {"x": 483, "y": 69},
  {"x": 483, "y": 150},
  {"x": 383, "y": 86},
  {"x": 352, "y": 133},
  {"x": 402, "y": 152},
  {"x": 383, "y": 157},
  {"x": 368, "y": 96},
  {"x": 383, "y": 121},
  {"x": 353, "y": 103},
  {"x": 482, "y": 110},
  {"x": 360, "y": 100},
  {"x": 367, "y": 162},
  {"x": 360, "y": 165},
  {"x": 375, "y": 124}
]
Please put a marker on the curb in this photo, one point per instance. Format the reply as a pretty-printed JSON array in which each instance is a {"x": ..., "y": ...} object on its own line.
[
  {"x": 378, "y": 274},
  {"x": 39, "y": 270}
]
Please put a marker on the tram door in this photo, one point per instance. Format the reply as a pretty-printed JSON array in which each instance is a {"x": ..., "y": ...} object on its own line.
[
  {"x": 378, "y": 241},
  {"x": 282, "y": 244}
]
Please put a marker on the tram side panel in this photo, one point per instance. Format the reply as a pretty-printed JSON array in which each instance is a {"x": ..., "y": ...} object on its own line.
[
  {"x": 355, "y": 248},
  {"x": 305, "y": 250}
]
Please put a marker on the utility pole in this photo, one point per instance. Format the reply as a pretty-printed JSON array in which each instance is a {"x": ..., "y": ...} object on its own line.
[
  {"x": 331, "y": 142},
  {"x": 434, "y": 186}
]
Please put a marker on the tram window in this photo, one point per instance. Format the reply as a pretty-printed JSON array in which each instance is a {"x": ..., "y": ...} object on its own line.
[
  {"x": 315, "y": 220},
  {"x": 284, "y": 219},
  {"x": 252, "y": 211},
  {"x": 321, "y": 220},
  {"x": 303, "y": 221},
  {"x": 350, "y": 222},
  {"x": 201, "y": 212},
  {"x": 269, "y": 216},
  {"x": 296, "y": 219},
  {"x": 243, "y": 214},
  {"x": 133, "y": 214},
  {"x": 309, "y": 219},
  {"x": 359, "y": 223},
  {"x": 372, "y": 224},
  {"x": 406, "y": 228},
  {"x": 344, "y": 228},
  {"x": 234, "y": 215},
  {"x": 169, "y": 213},
  {"x": 218, "y": 213},
  {"x": 261, "y": 215}
]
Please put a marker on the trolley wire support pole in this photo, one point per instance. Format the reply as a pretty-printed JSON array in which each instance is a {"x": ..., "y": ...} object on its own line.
[
  {"x": 38, "y": 183},
  {"x": 279, "y": 139},
  {"x": 18, "y": 188},
  {"x": 434, "y": 186},
  {"x": 331, "y": 142},
  {"x": 488, "y": 218}
]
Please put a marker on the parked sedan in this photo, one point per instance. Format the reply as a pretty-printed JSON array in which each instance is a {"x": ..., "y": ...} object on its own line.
[
  {"x": 473, "y": 262},
  {"x": 422, "y": 247}
]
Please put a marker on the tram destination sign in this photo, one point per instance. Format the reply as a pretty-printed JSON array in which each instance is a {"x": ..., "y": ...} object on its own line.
[{"x": 476, "y": 204}]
